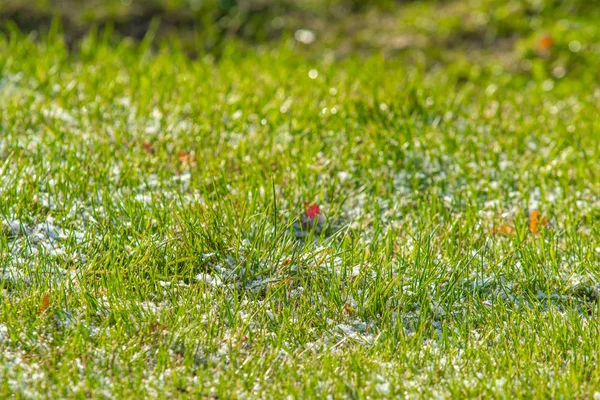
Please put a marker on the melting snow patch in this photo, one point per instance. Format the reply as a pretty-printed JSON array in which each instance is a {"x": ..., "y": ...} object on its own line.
[
  {"x": 15, "y": 227},
  {"x": 210, "y": 280},
  {"x": 383, "y": 387},
  {"x": 13, "y": 275},
  {"x": 3, "y": 333},
  {"x": 343, "y": 176},
  {"x": 355, "y": 332},
  {"x": 257, "y": 283},
  {"x": 151, "y": 307}
]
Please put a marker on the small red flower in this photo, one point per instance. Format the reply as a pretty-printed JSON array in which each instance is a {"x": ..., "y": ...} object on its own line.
[
  {"x": 312, "y": 210},
  {"x": 312, "y": 218}
]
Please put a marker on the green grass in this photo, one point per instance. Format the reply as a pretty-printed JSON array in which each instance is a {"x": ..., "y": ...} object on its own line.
[{"x": 148, "y": 201}]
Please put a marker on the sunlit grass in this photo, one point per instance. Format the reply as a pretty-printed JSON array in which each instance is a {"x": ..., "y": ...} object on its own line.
[{"x": 150, "y": 206}]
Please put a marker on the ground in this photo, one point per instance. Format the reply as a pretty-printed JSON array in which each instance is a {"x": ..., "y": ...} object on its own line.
[{"x": 155, "y": 190}]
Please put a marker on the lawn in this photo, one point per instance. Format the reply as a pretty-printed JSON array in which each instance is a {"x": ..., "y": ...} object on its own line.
[{"x": 154, "y": 193}]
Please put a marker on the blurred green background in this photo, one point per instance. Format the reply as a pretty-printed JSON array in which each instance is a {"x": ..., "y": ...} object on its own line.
[{"x": 538, "y": 37}]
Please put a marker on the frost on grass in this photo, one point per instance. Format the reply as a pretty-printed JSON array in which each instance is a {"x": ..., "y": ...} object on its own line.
[{"x": 31, "y": 246}]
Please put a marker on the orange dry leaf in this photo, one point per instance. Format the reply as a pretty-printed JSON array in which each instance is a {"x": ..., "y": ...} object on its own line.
[
  {"x": 187, "y": 158},
  {"x": 45, "y": 302},
  {"x": 544, "y": 43},
  {"x": 148, "y": 148},
  {"x": 503, "y": 229},
  {"x": 156, "y": 327},
  {"x": 536, "y": 220},
  {"x": 348, "y": 309}
]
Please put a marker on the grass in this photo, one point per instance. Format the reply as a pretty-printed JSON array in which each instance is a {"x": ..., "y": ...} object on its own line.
[{"x": 149, "y": 204}]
